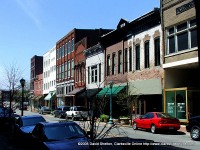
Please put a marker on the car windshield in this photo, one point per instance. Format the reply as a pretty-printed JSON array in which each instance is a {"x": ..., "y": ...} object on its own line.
[
  {"x": 61, "y": 132},
  {"x": 163, "y": 115},
  {"x": 66, "y": 108},
  {"x": 32, "y": 121},
  {"x": 81, "y": 109}
]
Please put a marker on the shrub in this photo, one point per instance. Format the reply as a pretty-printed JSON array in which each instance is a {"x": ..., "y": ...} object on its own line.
[{"x": 104, "y": 117}]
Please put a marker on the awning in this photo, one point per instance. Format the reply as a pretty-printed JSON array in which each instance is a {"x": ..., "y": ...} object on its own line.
[
  {"x": 107, "y": 90},
  {"x": 49, "y": 96},
  {"x": 38, "y": 97},
  {"x": 145, "y": 87},
  {"x": 89, "y": 93},
  {"x": 34, "y": 97},
  {"x": 75, "y": 91}
]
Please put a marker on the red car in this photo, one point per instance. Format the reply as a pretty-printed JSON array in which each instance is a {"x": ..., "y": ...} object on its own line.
[{"x": 156, "y": 121}]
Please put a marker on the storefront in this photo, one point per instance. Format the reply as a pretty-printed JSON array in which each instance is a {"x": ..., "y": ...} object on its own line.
[{"x": 182, "y": 103}]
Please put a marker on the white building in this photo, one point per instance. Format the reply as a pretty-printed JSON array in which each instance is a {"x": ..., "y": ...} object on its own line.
[
  {"x": 49, "y": 76},
  {"x": 94, "y": 69}
]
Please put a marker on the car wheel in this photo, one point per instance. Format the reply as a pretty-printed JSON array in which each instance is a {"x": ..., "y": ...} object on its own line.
[
  {"x": 134, "y": 126},
  {"x": 60, "y": 116},
  {"x": 195, "y": 133},
  {"x": 153, "y": 128}
]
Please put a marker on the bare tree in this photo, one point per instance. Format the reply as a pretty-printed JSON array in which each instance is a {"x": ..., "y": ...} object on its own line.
[{"x": 11, "y": 77}]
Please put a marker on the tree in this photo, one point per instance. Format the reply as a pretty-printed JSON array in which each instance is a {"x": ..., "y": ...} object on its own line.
[{"x": 11, "y": 77}]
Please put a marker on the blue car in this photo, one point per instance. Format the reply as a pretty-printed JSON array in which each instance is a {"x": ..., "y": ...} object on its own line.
[
  {"x": 59, "y": 136},
  {"x": 24, "y": 126}
]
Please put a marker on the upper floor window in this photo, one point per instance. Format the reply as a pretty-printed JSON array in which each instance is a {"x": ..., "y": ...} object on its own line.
[
  {"x": 157, "y": 51},
  {"x": 113, "y": 63},
  {"x": 108, "y": 65},
  {"x": 130, "y": 58},
  {"x": 68, "y": 69},
  {"x": 68, "y": 49},
  {"x": 137, "y": 53},
  {"x": 120, "y": 63},
  {"x": 72, "y": 73},
  {"x": 126, "y": 60},
  {"x": 94, "y": 74},
  {"x": 146, "y": 54},
  {"x": 72, "y": 45},
  {"x": 182, "y": 37}
]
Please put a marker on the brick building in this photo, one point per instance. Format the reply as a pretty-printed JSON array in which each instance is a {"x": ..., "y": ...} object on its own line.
[
  {"x": 36, "y": 80},
  {"x": 70, "y": 64},
  {"x": 133, "y": 62}
]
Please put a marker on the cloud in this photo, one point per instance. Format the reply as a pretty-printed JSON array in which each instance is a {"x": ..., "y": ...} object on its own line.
[{"x": 31, "y": 8}]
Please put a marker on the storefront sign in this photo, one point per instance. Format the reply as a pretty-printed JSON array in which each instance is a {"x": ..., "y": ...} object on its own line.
[{"x": 185, "y": 7}]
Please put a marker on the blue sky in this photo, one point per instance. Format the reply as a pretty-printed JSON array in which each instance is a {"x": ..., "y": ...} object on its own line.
[{"x": 32, "y": 27}]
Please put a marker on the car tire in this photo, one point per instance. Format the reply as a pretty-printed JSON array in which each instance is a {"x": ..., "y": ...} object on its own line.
[
  {"x": 60, "y": 116},
  {"x": 134, "y": 126},
  {"x": 153, "y": 129},
  {"x": 195, "y": 133},
  {"x": 73, "y": 118}
]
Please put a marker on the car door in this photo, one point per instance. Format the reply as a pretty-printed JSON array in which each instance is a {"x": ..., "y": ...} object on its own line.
[
  {"x": 141, "y": 121},
  {"x": 149, "y": 120}
]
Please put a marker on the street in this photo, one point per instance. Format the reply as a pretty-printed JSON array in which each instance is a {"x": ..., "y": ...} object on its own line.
[{"x": 180, "y": 139}]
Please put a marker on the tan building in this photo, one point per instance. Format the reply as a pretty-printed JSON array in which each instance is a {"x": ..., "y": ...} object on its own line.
[{"x": 181, "y": 89}]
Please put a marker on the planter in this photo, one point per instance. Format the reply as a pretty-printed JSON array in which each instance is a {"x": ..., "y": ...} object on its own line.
[{"x": 125, "y": 121}]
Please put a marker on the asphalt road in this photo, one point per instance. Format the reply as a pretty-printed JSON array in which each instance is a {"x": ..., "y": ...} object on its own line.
[{"x": 164, "y": 140}]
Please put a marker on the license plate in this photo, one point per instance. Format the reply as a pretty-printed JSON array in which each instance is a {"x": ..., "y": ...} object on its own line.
[{"x": 171, "y": 127}]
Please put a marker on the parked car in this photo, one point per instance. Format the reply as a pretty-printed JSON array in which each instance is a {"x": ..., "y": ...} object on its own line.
[
  {"x": 61, "y": 111},
  {"x": 6, "y": 115},
  {"x": 44, "y": 110},
  {"x": 193, "y": 127},
  {"x": 77, "y": 112},
  {"x": 24, "y": 126},
  {"x": 59, "y": 136},
  {"x": 156, "y": 121}
]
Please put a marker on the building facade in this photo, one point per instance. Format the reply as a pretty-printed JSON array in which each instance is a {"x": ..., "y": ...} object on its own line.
[
  {"x": 70, "y": 63},
  {"x": 133, "y": 62},
  {"x": 49, "y": 78},
  {"x": 36, "y": 71},
  {"x": 181, "y": 88}
]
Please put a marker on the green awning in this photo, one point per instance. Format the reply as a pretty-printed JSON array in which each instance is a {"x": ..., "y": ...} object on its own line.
[
  {"x": 107, "y": 91},
  {"x": 49, "y": 96}
]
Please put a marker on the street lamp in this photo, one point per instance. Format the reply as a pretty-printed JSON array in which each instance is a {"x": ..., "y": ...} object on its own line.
[
  {"x": 22, "y": 81},
  {"x": 111, "y": 85}
]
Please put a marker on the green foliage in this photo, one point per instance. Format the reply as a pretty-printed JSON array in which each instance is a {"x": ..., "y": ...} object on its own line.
[
  {"x": 126, "y": 117},
  {"x": 104, "y": 117}
]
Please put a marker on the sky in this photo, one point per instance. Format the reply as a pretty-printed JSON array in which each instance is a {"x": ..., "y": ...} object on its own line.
[{"x": 32, "y": 27}]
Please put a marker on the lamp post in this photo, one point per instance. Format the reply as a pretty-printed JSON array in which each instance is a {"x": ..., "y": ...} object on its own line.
[
  {"x": 111, "y": 85},
  {"x": 22, "y": 81}
]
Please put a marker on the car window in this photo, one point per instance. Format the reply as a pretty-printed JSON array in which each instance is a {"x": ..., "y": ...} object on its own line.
[
  {"x": 60, "y": 132},
  {"x": 163, "y": 115},
  {"x": 66, "y": 108},
  {"x": 81, "y": 109},
  {"x": 32, "y": 121},
  {"x": 150, "y": 115},
  {"x": 38, "y": 131}
]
